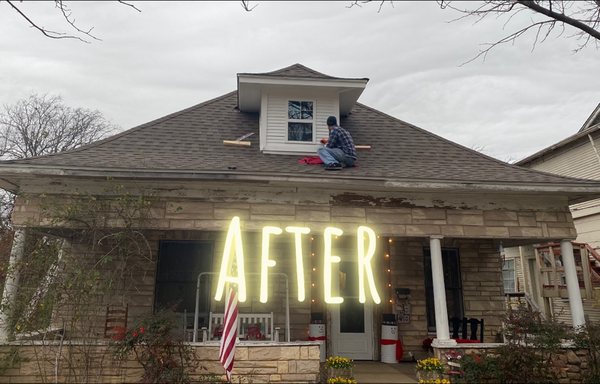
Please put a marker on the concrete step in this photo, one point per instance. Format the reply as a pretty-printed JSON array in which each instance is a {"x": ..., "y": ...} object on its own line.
[{"x": 374, "y": 372}]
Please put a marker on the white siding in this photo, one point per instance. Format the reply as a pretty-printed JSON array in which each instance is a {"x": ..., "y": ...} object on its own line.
[
  {"x": 580, "y": 161},
  {"x": 274, "y": 119},
  {"x": 588, "y": 230},
  {"x": 562, "y": 311}
]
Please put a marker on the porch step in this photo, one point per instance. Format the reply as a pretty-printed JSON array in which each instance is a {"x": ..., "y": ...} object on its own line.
[{"x": 374, "y": 372}]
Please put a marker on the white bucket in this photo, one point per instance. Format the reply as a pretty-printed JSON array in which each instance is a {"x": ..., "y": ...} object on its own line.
[
  {"x": 388, "y": 351},
  {"x": 317, "y": 332}
]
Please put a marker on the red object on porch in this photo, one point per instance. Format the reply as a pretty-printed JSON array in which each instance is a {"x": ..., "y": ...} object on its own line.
[
  {"x": 399, "y": 351},
  {"x": 317, "y": 338},
  {"x": 467, "y": 341},
  {"x": 311, "y": 160}
]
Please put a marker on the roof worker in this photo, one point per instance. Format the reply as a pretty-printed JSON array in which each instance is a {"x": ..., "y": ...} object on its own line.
[{"x": 338, "y": 150}]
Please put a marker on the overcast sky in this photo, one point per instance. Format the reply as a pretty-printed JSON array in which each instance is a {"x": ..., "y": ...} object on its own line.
[{"x": 174, "y": 55}]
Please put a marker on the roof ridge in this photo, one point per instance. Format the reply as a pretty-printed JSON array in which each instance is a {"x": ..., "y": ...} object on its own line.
[
  {"x": 128, "y": 131},
  {"x": 294, "y": 66},
  {"x": 592, "y": 120}
]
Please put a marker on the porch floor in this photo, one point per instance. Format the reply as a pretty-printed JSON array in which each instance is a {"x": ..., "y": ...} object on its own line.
[{"x": 374, "y": 372}]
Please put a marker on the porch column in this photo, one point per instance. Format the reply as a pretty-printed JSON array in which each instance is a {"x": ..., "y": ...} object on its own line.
[
  {"x": 439, "y": 294},
  {"x": 11, "y": 284},
  {"x": 575, "y": 303}
]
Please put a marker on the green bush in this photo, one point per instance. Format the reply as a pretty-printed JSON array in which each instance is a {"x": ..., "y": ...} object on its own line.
[
  {"x": 528, "y": 356},
  {"x": 164, "y": 357}
]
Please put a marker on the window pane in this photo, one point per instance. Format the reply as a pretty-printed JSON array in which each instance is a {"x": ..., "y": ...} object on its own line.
[
  {"x": 508, "y": 275},
  {"x": 352, "y": 316},
  {"x": 300, "y": 132},
  {"x": 294, "y": 110},
  {"x": 307, "y": 110},
  {"x": 179, "y": 263}
]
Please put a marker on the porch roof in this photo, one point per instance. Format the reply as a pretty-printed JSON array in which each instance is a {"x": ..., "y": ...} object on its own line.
[{"x": 189, "y": 144}]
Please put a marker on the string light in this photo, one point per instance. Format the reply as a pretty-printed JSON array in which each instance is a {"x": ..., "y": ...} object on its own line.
[
  {"x": 313, "y": 277},
  {"x": 389, "y": 270}
]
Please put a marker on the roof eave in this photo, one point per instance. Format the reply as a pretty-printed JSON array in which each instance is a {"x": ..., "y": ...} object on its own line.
[
  {"x": 250, "y": 88},
  {"x": 559, "y": 145},
  {"x": 575, "y": 189}
]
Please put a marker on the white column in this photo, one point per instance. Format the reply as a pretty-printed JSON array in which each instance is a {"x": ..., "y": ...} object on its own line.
[
  {"x": 11, "y": 284},
  {"x": 439, "y": 293},
  {"x": 575, "y": 303}
]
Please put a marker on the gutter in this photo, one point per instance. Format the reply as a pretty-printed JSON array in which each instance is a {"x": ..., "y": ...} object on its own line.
[{"x": 331, "y": 181}]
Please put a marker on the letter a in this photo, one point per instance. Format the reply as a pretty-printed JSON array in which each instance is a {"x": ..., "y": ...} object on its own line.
[{"x": 233, "y": 240}]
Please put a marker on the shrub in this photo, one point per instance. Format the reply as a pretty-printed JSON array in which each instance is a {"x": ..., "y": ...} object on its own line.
[
  {"x": 588, "y": 337},
  {"x": 165, "y": 358},
  {"x": 528, "y": 356}
]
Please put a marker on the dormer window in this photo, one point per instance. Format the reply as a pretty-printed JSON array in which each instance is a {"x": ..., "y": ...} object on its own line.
[
  {"x": 300, "y": 121},
  {"x": 293, "y": 104}
]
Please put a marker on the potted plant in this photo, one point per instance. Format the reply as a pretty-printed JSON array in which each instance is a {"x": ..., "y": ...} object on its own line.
[
  {"x": 339, "y": 367},
  {"x": 430, "y": 370}
]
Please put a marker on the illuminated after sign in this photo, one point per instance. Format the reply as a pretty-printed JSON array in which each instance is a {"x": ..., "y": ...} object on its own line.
[{"x": 234, "y": 250}]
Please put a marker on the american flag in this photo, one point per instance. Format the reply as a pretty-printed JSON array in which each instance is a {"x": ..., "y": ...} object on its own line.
[{"x": 230, "y": 333}]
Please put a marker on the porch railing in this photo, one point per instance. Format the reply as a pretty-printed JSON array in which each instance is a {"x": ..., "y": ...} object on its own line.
[{"x": 197, "y": 308}]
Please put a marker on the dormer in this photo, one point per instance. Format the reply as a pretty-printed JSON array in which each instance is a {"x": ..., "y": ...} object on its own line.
[{"x": 293, "y": 104}]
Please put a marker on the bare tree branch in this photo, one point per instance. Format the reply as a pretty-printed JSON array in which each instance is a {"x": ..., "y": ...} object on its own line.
[
  {"x": 381, "y": 3},
  {"x": 247, "y": 7},
  {"x": 562, "y": 17},
  {"x": 584, "y": 16},
  {"x": 41, "y": 125},
  {"x": 129, "y": 5},
  {"x": 44, "y": 31},
  {"x": 66, "y": 12},
  {"x": 68, "y": 17}
]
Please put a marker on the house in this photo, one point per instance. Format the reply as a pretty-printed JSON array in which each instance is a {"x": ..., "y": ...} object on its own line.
[
  {"x": 437, "y": 213},
  {"x": 576, "y": 156}
]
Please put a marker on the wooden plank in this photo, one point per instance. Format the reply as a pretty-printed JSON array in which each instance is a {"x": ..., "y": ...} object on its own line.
[{"x": 237, "y": 143}]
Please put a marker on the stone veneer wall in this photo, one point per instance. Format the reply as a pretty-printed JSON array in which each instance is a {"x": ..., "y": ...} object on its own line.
[
  {"x": 211, "y": 207},
  {"x": 572, "y": 364},
  {"x": 473, "y": 222},
  {"x": 256, "y": 363},
  {"x": 481, "y": 274}
]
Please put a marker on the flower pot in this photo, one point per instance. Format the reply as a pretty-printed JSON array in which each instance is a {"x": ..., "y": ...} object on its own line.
[
  {"x": 340, "y": 372},
  {"x": 429, "y": 376}
]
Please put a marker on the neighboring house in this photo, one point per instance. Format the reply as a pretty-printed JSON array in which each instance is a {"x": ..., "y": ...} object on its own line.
[
  {"x": 576, "y": 156},
  {"x": 441, "y": 212}
]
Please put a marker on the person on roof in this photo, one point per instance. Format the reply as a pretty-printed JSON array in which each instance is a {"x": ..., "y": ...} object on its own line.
[{"x": 339, "y": 150}]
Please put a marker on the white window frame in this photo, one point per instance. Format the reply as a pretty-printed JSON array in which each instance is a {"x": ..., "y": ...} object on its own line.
[
  {"x": 514, "y": 275},
  {"x": 304, "y": 121}
]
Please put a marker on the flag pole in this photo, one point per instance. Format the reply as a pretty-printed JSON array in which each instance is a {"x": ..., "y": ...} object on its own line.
[{"x": 230, "y": 332}]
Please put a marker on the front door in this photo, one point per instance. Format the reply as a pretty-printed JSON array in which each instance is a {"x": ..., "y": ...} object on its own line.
[{"x": 351, "y": 321}]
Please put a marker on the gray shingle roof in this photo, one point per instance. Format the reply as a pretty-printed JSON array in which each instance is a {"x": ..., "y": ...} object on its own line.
[{"x": 192, "y": 141}]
